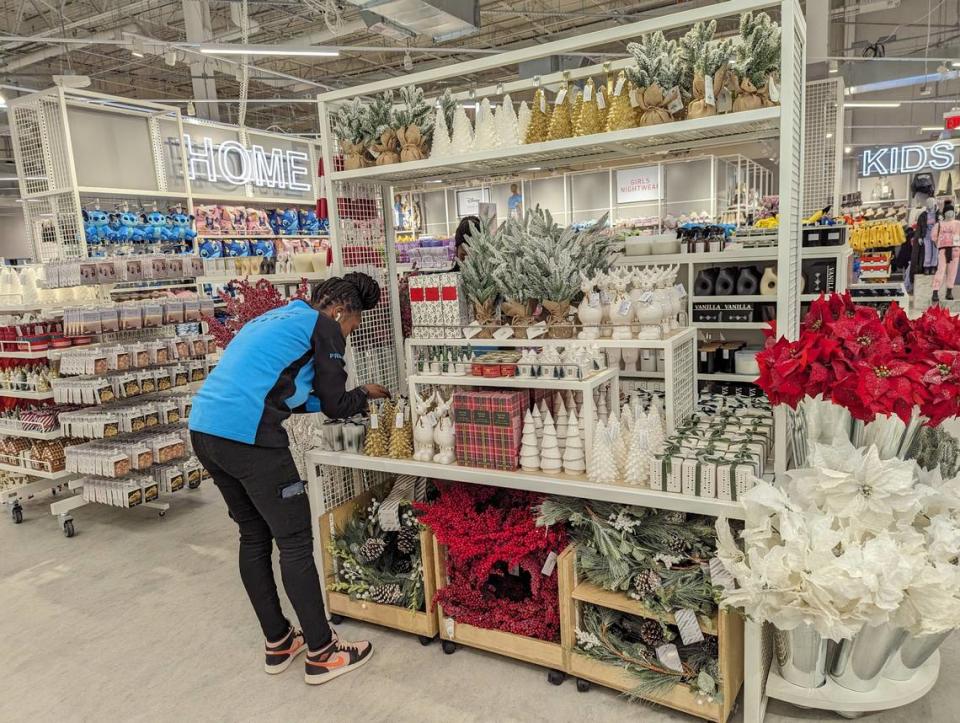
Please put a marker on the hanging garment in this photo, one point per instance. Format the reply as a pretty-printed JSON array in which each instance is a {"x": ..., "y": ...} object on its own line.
[
  {"x": 946, "y": 233},
  {"x": 948, "y": 184},
  {"x": 925, "y": 227},
  {"x": 923, "y": 184}
]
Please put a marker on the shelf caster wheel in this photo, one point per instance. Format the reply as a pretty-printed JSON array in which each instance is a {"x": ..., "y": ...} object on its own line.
[
  {"x": 336, "y": 619},
  {"x": 582, "y": 685},
  {"x": 424, "y": 640},
  {"x": 449, "y": 647},
  {"x": 556, "y": 677},
  {"x": 68, "y": 529},
  {"x": 163, "y": 513},
  {"x": 17, "y": 514}
]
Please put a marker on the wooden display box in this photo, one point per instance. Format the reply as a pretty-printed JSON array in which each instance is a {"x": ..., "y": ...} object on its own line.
[
  {"x": 728, "y": 626},
  {"x": 539, "y": 652},
  {"x": 423, "y": 624}
]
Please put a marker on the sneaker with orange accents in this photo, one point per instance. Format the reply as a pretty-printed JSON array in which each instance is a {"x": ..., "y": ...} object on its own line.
[
  {"x": 337, "y": 658},
  {"x": 280, "y": 655}
]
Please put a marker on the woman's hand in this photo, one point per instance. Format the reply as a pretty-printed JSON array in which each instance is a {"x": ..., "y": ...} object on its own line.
[{"x": 375, "y": 391}]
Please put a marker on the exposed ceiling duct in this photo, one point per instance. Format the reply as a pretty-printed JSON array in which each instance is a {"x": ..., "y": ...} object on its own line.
[
  {"x": 441, "y": 20},
  {"x": 24, "y": 61},
  {"x": 888, "y": 73}
]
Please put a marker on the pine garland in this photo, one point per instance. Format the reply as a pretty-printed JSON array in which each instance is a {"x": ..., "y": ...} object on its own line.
[
  {"x": 609, "y": 636},
  {"x": 393, "y": 577}
]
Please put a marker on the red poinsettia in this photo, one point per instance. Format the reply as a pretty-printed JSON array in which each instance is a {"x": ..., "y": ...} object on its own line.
[
  {"x": 249, "y": 302},
  {"x": 942, "y": 381}
]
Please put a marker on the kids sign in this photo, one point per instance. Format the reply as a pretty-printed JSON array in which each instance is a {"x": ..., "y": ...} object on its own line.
[
  {"x": 638, "y": 184},
  {"x": 233, "y": 164},
  {"x": 891, "y": 160}
]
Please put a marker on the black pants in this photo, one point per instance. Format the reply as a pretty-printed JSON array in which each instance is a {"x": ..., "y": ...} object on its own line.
[{"x": 251, "y": 480}]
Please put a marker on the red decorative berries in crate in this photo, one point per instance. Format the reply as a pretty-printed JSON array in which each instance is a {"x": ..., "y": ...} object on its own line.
[{"x": 488, "y": 427}]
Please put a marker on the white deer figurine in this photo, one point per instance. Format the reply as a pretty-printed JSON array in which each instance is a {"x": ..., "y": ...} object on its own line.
[
  {"x": 423, "y": 431},
  {"x": 444, "y": 434}
]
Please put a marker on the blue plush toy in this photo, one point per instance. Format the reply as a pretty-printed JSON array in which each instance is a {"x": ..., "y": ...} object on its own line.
[
  {"x": 211, "y": 248},
  {"x": 262, "y": 247},
  {"x": 309, "y": 223},
  {"x": 96, "y": 226},
  {"x": 128, "y": 227},
  {"x": 284, "y": 222},
  {"x": 236, "y": 247},
  {"x": 182, "y": 226},
  {"x": 155, "y": 228}
]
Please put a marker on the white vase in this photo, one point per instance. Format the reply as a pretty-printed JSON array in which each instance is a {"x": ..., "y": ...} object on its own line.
[{"x": 630, "y": 357}]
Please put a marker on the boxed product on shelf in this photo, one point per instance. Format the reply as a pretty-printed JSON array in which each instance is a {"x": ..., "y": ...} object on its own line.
[
  {"x": 425, "y": 309},
  {"x": 147, "y": 267},
  {"x": 119, "y": 457},
  {"x": 455, "y": 309},
  {"x": 488, "y": 427}
]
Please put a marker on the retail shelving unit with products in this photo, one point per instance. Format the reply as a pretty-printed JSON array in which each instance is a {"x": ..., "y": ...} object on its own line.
[{"x": 362, "y": 241}]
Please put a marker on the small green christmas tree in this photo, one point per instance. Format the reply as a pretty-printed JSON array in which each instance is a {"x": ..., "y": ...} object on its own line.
[
  {"x": 656, "y": 62},
  {"x": 758, "y": 48},
  {"x": 379, "y": 115},
  {"x": 448, "y": 105},
  {"x": 347, "y": 123},
  {"x": 512, "y": 269},
  {"x": 478, "y": 272},
  {"x": 413, "y": 111},
  {"x": 701, "y": 58}
]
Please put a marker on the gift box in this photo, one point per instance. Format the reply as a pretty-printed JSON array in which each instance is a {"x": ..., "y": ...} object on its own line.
[
  {"x": 455, "y": 310},
  {"x": 426, "y": 311},
  {"x": 488, "y": 427}
]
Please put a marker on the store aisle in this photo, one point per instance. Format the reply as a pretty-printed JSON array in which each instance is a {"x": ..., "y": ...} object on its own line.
[{"x": 143, "y": 619}]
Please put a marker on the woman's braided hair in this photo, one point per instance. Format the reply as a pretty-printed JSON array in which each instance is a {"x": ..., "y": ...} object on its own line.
[{"x": 356, "y": 291}]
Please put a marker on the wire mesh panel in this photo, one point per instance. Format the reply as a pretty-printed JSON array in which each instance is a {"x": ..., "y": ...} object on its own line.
[
  {"x": 822, "y": 150},
  {"x": 682, "y": 371},
  {"x": 362, "y": 247},
  {"x": 53, "y": 223},
  {"x": 41, "y": 144}
]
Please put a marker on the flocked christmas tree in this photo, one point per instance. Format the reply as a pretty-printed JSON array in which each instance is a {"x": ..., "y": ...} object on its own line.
[
  {"x": 514, "y": 272},
  {"x": 523, "y": 121},
  {"x": 560, "y": 122},
  {"x": 573, "y": 456},
  {"x": 529, "y": 447},
  {"x": 704, "y": 62},
  {"x": 413, "y": 121},
  {"x": 477, "y": 272},
  {"x": 601, "y": 469},
  {"x": 448, "y": 104},
  {"x": 508, "y": 127},
  {"x": 621, "y": 114},
  {"x": 550, "y": 459},
  {"x": 589, "y": 120},
  {"x": 349, "y": 126},
  {"x": 378, "y": 125},
  {"x": 441, "y": 147},
  {"x": 656, "y": 72},
  {"x": 485, "y": 137},
  {"x": 539, "y": 126},
  {"x": 461, "y": 137},
  {"x": 758, "y": 57}
]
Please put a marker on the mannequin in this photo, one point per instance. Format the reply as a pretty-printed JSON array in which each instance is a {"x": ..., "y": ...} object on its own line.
[
  {"x": 946, "y": 234},
  {"x": 925, "y": 224}
]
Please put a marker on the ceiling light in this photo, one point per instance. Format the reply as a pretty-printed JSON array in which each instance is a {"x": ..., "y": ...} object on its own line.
[
  {"x": 926, "y": 90},
  {"x": 848, "y": 149},
  {"x": 407, "y": 61},
  {"x": 829, "y": 135},
  {"x": 191, "y": 109},
  {"x": 136, "y": 50},
  {"x": 834, "y": 66},
  {"x": 872, "y": 104},
  {"x": 436, "y": 180},
  {"x": 136, "y": 53},
  {"x": 931, "y": 129},
  {"x": 170, "y": 57},
  {"x": 534, "y": 168},
  {"x": 268, "y": 50},
  {"x": 956, "y": 65}
]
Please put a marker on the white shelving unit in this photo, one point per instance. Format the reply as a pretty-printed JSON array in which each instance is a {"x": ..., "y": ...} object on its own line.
[{"x": 337, "y": 476}]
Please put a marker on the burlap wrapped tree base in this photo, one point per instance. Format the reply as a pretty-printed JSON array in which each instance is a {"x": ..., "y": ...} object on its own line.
[
  {"x": 558, "y": 322},
  {"x": 653, "y": 106},
  {"x": 354, "y": 156},
  {"x": 412, "y": 144},
  {"x": 749, "y": 97},
  {"x": 485, "y": 316},
  {"x": 519, "y": 315},
  {"x": 699, "y": 107},
  {"x": 387, "y": 151}
]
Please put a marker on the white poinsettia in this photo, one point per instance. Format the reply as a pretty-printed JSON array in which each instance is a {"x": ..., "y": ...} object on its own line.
[{"x": 943, "y": 538}]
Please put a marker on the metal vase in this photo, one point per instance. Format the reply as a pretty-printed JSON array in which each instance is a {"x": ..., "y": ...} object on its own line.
[
  {"x": 802, "y": 656},
  {"x": 862, "y": 658},
  {"x": 913, "y": 653}
]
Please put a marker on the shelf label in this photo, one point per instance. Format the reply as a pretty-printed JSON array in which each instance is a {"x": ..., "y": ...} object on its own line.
[
  {"x": 549, "y": 565},
  {"x": 669, "y": 657},
  {"x": 472, "y": 329},
  {"x": 708, "y": 97},
  {"x": 690, "y": 631},
  {"x": 537, "y": 330},
  {"x": 618, "y": 87},
  {"x": 504, "y": 332},
  {"x": 450, "y": 626}
]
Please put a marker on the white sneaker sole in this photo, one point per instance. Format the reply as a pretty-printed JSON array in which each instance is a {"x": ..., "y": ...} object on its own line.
[
  {"x": 321, "y": 679},
  {"x": 279, "y": 668}
]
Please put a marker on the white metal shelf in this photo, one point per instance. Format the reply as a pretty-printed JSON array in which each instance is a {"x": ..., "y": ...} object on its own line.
[
  {"x": 43, "y": 474},
  {"x": 581, "y": 385},
  {"x": 646, "y": 141},
  {"x": 21, "y": 308},
  {"x": 559, "y": 484},
  {"x": 227, "y": 236},
  {"x": 737, "y": 255},
  {"x": 639, "y": 374},
  {"x": 21, "y": 394},
  {"x": 732, "y": 325},
  {"x": 30, "y": 433},
  {"x": 822, "y": 252},
  {"x": 672, "y": 339},
  {"x": 734, "y": 298},
  {"x": 830, "y": 696},
  {"x": 273, "y": 278}
]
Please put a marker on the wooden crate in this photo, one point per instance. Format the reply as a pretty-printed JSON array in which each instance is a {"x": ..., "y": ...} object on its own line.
[
  {"x": 539, "y": 652},
  {"x": 423, "y": 624},
  {"x": 727, "y": 626}
]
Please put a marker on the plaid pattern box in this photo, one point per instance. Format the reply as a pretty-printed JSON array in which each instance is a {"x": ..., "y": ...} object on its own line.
[{"x": 488, "y": 427}]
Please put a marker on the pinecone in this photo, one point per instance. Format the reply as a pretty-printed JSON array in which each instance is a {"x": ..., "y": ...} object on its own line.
[
  {"x": 403, "y": 565},
  {"x": 676, "y": 545},
  {"x": 710, "y": 646},
  {"x": 407, "y": 539},
  {"x": 386, "y": 594},
  {"x": 674, "y": 517},
  {"x": 371, "y": 550},
  {"x": 651, "y": 633},
  {"x": 646, "y": 583}
]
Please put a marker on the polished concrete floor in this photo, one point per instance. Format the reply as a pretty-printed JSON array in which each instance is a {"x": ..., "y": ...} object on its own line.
[{"x": 139, "y": 618}]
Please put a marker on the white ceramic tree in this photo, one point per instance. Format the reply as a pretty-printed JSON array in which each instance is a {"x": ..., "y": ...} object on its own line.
[
  {"x": 441, "y": 136},
  {"x": 523, "y": 120},
  {"x": 617, "y": 446},
  {"x": 537, "y": 422},
  {"x": 560, "y": 412},
  {"x": 574, "y": 461},
  {"x": 461, "y": 137},
  {"x": 507, "y": 124},
  {"x": 638, "y": 458},
  {"x": 653, "y": 423},
  {"x": 529, "y": 446},
  {"x": 601, "y": 406},
  {"x": 550, "y": 459},
  {"x": 602, "y": 468},
  {"x": 485, "y": 137}
]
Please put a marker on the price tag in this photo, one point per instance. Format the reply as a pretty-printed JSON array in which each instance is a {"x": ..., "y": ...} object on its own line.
[
  {"x": 504, "y": 332},
  {"x": 450, "y": 627},
  {"x": 587, "y": 93},
  {"x": 674, "y": 101},
  {"x": 708, "y": 96},
  {"x": 690, "y": 631},
  {"x": 398, "y": 421},
  {"x": 724, "y": 101},
  {"x": 720, "y": 576},
  {"x": 543, "y": 102},
  {"x": 471, "y": 330},
  {"x": 514, "y": 569},
  {"x": 773, "y": 90},
  {"x": 646, "y": 297},
  {"x": 549, "y": 565},
  {"x": 537, "y": 330},
  {"x": 680, "y": 290},
  {"x": 634, "y": 98},
  {"x": 618, "y": 87},
  {"x": 669, "y": 657},
  {"x": 432, "y": 419},
  {"x": 374, "y": 421},
  {"x": 604, "y": 297},
  {"x": 601, "y": 103},
  {"x": 594, "y": 300},
  {"x": 624, "y": 308},
  {"x": 561, "y": 96}
]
